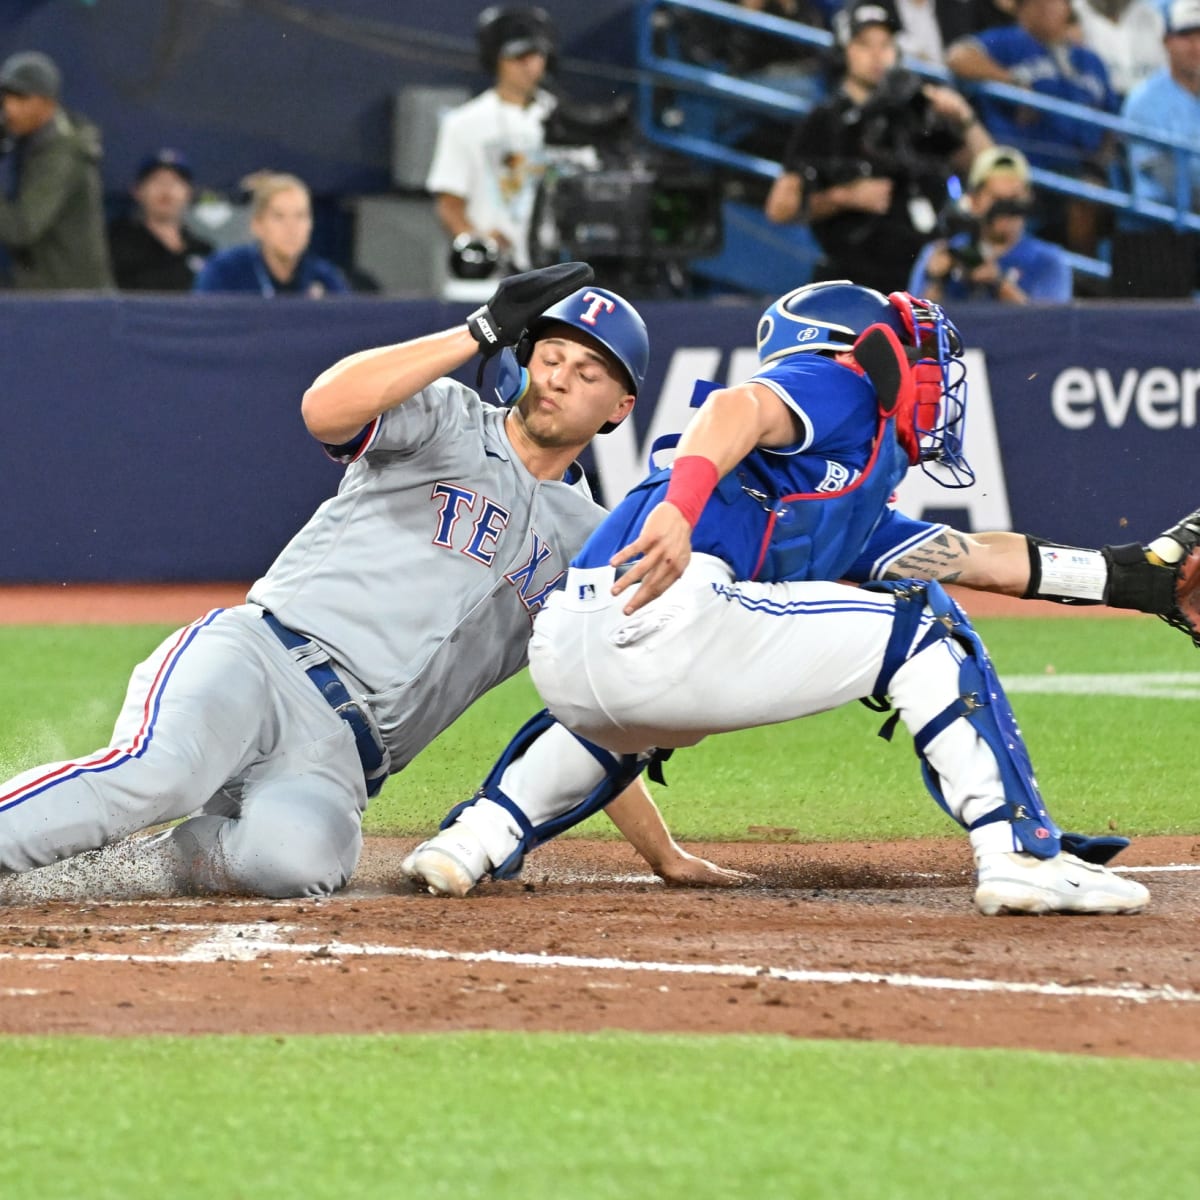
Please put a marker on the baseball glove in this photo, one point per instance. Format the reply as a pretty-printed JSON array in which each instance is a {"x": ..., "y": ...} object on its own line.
[{"x": 1184, "y": 614}]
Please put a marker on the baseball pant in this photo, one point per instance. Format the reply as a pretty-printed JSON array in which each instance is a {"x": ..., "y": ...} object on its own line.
[{"x": 219, "y": 721}]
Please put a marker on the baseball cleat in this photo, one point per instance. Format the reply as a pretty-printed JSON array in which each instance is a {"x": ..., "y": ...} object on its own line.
[
  {"x": 450, "y": 864},
  {"x": 1021, "y": 883}
]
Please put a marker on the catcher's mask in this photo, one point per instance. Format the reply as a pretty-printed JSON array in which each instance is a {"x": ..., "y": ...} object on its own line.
[
  {"x": 938, "y": 420},
  {"x": 606, "y": 318},
  {"x": 828, "y": 318}
]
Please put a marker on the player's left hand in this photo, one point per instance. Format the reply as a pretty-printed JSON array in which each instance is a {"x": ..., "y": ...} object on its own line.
[
  {"x": 689, "y": 870},
  {"x": 1185, "y": 613},
  {"x": 664, "y": 547}
]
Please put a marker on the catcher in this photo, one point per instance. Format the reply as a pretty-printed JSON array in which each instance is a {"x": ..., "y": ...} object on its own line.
[{"x": 549, "y": 779}]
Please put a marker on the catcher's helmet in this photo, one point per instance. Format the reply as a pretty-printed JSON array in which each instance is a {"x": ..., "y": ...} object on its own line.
[
  {"x": 509, "y": 30},
  {"x": 827, "y": 318},
  {"x": 603, "y": 316},
  {"x": 824, "y": 317}
]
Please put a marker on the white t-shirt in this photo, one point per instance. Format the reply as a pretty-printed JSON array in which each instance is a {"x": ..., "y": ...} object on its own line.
[
  {"x": 1131, "y": 47},
  {"x": 921, "y": 37},
  {"x": 490, "y": 153}
]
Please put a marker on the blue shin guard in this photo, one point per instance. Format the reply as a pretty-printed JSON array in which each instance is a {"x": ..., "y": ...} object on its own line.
[
  {"x": 620, "y": 770},
  {"x": 981, "y": 702}
]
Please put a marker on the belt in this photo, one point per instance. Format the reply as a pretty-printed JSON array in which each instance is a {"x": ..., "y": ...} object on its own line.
[{"x": 370, "y": 753}]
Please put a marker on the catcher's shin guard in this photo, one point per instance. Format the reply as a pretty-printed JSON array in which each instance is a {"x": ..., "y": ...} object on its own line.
[
  {"x": 981, "y": 702},
  {"x": 609, "y": 775}
]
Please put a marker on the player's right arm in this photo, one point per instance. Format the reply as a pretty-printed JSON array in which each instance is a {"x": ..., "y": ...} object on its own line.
[
  {"x": 729, "y": 425},
  {"x": 353, "y": 392}
]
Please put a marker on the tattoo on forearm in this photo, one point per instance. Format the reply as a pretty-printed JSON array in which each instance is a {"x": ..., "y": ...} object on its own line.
[{"x": 940, "y": 558}]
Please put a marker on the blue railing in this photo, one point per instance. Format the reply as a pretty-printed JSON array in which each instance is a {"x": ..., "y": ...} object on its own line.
[{"x": 660, "y": 69}]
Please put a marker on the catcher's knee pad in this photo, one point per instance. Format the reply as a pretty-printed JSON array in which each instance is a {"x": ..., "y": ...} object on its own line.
[
  {"x": 620, "y": 770},
  {"x": 981, "y": 702}
]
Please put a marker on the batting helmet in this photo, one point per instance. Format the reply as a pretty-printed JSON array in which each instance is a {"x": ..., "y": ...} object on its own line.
[
  {"x": 824, "y": 316},
  {"x": 610, "y": 320},
  {"x": 508, "y": 31},
  {"x": 605, "y": 317}
]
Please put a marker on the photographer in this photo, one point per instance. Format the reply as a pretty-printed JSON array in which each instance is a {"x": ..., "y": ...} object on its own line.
[
  {"x": 52, "y": 217},
  {"x": 868, "y": 166},
  {"x": 488, "y": 159},
  {"x": 994, "y": 258}
]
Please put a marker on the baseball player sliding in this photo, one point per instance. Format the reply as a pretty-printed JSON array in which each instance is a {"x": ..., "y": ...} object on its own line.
[
  {"x": 406, "y": 596},
  {"x": 693, "y": 608}
]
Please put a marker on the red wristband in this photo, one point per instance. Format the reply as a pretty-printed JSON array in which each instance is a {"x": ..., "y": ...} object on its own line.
[{"x": 693, "y": 479}]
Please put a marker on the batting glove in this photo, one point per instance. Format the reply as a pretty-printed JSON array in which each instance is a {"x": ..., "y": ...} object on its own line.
[{"x": 502, "y": 321}]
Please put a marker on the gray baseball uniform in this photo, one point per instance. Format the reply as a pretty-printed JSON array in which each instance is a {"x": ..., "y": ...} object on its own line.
[{"x": 407, "y": 595}]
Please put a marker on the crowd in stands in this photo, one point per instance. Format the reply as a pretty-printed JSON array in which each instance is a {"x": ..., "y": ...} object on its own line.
[{"x": 903, "y": 182}]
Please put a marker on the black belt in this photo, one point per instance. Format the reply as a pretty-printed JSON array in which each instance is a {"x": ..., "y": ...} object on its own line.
[{"x": 370, "y": 753}]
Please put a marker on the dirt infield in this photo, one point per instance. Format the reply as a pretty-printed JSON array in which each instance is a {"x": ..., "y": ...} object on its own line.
[
  {"x": 876, "y": 941},
  {"x": 844, "y": 941}
]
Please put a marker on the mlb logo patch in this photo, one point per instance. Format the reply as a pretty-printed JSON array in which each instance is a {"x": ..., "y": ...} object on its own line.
[{"x": 587, "y": 591}]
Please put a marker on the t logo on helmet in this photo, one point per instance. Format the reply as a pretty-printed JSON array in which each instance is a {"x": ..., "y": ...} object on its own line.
[{"x": 595, "y": 305}]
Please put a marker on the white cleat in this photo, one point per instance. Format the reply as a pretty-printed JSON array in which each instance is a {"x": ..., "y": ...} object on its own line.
[
  {"x": 1021, "y": 883},
  {"x": 450, "y": 864}
]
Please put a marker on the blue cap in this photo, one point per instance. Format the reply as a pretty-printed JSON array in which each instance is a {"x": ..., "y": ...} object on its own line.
[{"x": 172, "y": 160}]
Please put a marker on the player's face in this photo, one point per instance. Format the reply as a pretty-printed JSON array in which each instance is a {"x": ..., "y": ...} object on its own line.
[
  {"x": 573, "y": 390},
  {"x": 163, "y": 195},
  {"x": 870, "y": 55},
  {"x": 285, "y": 225}
]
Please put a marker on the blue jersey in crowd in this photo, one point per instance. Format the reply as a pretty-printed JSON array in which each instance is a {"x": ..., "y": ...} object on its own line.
[
  {"x": 796, "y": 512},
  {"x": 1066, "y": 72},
  {"x": 1169, "y": 108},
  {"x": 243, "y": 269},
  {"x": 1042, "y": 272}
]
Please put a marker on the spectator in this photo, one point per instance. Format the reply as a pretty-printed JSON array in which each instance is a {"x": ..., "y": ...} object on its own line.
[
  {"x": 929, "y": 26},
  {"x": 151, "y": 249},
  {"x": 1169, "y": 101},
  {"x": 278, "y": 261},
  {"x": 1037, "y": 54},
  {"x": 868, "y": 166},
  {"x": 1126, "y": 34},
  {"x": 52, "y": 219},
  {"x": 996, "y": 259},
  {"x": 488, "y": 159}
]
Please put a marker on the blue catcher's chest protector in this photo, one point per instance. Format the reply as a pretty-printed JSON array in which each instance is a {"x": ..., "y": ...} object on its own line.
[{"x": 794, "y": 514}]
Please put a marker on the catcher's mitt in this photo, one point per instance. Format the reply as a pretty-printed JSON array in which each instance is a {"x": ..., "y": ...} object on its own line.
[{"x": 1184, "y": 614}]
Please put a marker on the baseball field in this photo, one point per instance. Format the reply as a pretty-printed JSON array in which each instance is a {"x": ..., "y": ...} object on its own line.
[{"x": 844, "y": 1026}]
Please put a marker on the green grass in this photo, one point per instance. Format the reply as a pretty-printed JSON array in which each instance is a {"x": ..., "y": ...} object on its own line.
[
  {"x": 569, "y": 1117},
  {"x": 1103, "y": 762},
  {"x": 561, "y": 1116}
]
